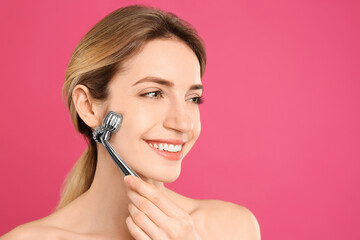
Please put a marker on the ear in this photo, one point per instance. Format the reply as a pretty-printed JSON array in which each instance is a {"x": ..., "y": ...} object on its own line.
[{"x": 86, "y": 106}]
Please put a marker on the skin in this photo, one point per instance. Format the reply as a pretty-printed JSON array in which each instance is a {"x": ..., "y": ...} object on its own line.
[{"x": 133, "y": 208}]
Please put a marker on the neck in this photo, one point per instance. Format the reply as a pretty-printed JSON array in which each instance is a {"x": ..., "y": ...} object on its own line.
[
  {"x": 102, "y": 209},
  {"x": 107, "y": 196}
]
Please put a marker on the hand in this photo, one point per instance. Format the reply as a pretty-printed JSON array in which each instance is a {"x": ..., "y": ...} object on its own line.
[{"x": 154, "y": 216}]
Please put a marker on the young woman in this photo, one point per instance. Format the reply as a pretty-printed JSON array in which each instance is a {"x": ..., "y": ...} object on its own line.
[{"x": 147, "y": 65}]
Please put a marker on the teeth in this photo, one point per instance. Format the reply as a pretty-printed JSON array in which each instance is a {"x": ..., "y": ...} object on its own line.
[{"x": 167, "y": 147}]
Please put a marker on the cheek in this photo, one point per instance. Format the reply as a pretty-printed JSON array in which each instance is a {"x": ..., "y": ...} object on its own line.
[
  {"x": 198, "y": 128},
  {"x": 197, "y": 124},
  {"x": 141, "y": 116},
  {"x": 138, "y": 119}
]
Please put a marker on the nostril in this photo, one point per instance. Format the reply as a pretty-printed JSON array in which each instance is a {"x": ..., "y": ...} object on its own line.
[{"x": 179, "y": 123}]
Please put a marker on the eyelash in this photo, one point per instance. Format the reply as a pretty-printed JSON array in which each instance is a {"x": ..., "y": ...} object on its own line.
[{"x": 198, "y": 100}]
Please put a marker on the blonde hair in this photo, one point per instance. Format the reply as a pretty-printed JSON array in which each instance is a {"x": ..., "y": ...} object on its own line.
[{"x": 99, "y": 55}]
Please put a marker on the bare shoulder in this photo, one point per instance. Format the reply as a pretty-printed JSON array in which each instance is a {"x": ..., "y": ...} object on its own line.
[
  {"x": 225, "y": 220},
  {"x": 32, "y": 231}
]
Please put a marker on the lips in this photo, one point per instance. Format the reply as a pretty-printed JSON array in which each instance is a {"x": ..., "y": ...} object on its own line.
[{"x": 168, "y": 141}]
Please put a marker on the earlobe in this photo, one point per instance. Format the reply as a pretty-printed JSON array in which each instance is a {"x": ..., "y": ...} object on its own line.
[{"x": 84, "y": 104}]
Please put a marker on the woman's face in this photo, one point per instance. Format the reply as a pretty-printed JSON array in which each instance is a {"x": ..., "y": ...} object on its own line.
[{"x": 157, "y": 94}]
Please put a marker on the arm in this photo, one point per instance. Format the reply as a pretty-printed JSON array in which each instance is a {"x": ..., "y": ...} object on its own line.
[
  {"x": 249, "y": 228},
  {"x": 231, "y": 221},
  {"x": 15, "y": 234}
]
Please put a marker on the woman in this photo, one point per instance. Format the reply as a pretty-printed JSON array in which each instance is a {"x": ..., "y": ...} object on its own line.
[{"x": 147, "y": 65}]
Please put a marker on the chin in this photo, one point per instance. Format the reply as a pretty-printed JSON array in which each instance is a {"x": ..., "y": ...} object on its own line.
[{"x": 163, "y": 174}]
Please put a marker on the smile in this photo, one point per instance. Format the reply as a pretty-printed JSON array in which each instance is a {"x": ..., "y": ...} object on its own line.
[
  {"x": 168, "y": 150},
  {"x": 166, "y": 147}
]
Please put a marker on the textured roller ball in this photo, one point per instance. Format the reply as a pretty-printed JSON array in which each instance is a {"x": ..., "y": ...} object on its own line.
[{"x": 97, "y": 133}]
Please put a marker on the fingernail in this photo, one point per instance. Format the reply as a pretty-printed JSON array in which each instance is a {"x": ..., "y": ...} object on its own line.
[{"x": 128, "y": 180}]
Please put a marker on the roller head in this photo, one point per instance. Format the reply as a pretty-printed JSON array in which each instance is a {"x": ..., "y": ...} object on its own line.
[
  {"x": 98, "y": 132},
  {"x": 111, "y": 124}
]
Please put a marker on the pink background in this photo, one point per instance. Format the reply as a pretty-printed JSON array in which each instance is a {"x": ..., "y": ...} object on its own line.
[{"x": 280, "y": 122}]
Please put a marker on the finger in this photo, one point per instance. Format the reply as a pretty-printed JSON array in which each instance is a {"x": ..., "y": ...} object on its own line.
[
  {"x": 149, "y": 209},
  {"x": 150, "y": 192},
  {"x": 135, "y": 231},
  {"x": 143, "y": 222}
]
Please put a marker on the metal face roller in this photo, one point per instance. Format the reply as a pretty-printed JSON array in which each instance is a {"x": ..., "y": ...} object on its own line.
[{"x": 101, "y": 134}]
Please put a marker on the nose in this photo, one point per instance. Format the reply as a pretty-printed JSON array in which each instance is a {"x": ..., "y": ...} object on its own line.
[{"x": 178, "y": 118}]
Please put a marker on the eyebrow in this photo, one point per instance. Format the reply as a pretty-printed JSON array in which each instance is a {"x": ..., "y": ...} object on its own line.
[{"x": 165, "y": 82}]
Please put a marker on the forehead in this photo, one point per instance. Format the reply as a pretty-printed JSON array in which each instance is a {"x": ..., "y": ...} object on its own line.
[{"x": 169, "y": 59}]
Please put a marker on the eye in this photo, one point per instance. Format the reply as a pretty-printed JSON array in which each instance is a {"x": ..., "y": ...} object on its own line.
[
  {"x": 197, "y": 100},
  {"x": 153, "y": 94}
]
